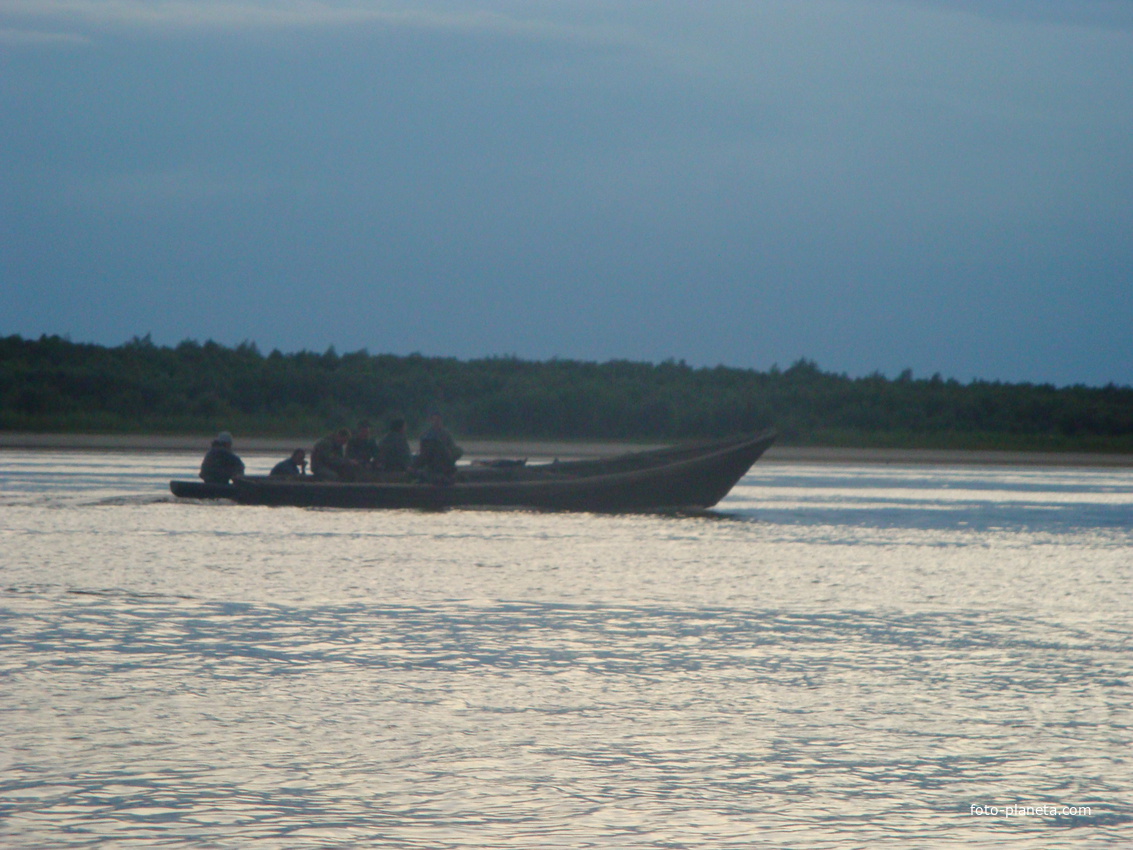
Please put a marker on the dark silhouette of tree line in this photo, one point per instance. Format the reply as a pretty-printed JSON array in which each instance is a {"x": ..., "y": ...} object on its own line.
[{"x": 51, "y": 384}]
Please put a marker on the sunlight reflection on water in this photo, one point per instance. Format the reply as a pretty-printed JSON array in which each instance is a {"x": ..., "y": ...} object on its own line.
[{"x": 836, "y": 657}]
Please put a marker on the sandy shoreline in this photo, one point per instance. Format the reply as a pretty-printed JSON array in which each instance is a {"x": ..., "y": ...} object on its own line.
[{"x": 562, "y": 449}]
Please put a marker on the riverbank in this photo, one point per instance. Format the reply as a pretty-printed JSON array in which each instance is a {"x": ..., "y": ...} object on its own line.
[{"x": 537, "y": 449}]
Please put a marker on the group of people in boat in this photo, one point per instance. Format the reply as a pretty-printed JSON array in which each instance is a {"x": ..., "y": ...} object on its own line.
[{"x": 345, "y": 455}]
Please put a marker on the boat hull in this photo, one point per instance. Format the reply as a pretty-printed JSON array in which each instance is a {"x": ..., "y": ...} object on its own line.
[
  {"x": 674, "y": 479},
  {"x": 202, "y": 490}
]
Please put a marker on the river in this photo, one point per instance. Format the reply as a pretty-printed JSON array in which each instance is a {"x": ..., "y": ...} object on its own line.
[{"x": 838, "y": 656}]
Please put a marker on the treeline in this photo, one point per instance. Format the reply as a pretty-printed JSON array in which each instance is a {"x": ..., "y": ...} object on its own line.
[{"x": 54, "y": 385}]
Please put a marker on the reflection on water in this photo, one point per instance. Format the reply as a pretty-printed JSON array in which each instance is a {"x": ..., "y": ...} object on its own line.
[
  {"x": 943, "y": 498},
  {"x": 836, "y": 657}
]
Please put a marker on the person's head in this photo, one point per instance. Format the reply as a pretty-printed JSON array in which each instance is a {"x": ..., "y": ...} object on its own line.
[
  {"x": 363, "y": 429},
  {"x": 435, "y": 417},
  {"x": 397, "y": 424},
  {"x": 299, "y": 456},
  {"x": 224, "y": 439},
  {"x": 342, "y": 435}
]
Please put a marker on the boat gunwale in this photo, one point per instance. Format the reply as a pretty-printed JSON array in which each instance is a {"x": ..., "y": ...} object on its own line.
[{"x": 266, "y": 481}]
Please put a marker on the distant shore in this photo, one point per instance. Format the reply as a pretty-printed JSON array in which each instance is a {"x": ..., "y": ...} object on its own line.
[{"x": 569, "y": 449}]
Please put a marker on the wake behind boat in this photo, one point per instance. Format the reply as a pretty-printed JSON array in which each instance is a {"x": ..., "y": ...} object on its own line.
[{"x": 694, "y": 476}]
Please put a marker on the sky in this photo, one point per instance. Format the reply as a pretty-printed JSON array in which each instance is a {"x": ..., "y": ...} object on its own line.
[{"x": 875, "y": 185}]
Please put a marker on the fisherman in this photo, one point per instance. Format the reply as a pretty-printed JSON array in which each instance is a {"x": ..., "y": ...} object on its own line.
[
  {"x": 221, "y": 464},
  {"x": 394, "y": 454},
  {"x": 361, "y": 448},
  {"x": 439, "y": 451},
  {"x": 292, "y": 467},
  {"x": 328, "y": 461}
]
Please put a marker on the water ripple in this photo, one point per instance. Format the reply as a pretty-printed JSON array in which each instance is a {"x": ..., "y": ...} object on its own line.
[
  {"x": 836, "y": 658},
  {"x": 449, "y": 725}
]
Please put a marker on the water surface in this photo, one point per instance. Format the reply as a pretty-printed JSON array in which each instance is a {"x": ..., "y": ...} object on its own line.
[{"x": 837, "y": 657}]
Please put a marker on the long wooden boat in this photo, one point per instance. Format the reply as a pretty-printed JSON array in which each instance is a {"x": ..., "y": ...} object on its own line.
[{"x": 681, "y": 477}]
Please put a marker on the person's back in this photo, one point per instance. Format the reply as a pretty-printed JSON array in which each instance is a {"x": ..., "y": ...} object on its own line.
[
  {"x": 361, "y": 448},
  {"x": 221, "y": 464},
  {"x": 439, "y": 451},
  {"x": 394, "y": 454},
  {"x": 328, "y": 463}
]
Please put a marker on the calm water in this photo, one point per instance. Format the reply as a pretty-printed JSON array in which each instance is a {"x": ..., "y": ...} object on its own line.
[{"x": 838, "y": 657}]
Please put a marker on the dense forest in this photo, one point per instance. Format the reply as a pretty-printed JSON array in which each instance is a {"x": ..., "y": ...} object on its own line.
[{"x": 54, "y": 385}]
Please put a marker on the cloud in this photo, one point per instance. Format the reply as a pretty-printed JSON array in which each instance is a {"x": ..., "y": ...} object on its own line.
[
  {"x": 39, "y": 38},
  {"x": 160, "y": 188},
  {"x": 1104, "y": 14},
  {"x": 250, "y": 15}
]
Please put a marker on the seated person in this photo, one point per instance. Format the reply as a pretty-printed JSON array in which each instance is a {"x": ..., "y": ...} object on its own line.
[
  {"x": 361, "y": 448},
  {"x": 394, "y": 454},
  {"x": 221, "y": 464},
  {"x": 439, "y": 451},
  {"x": 328, "y": 458},
  {"x": 292, "y": 467}
]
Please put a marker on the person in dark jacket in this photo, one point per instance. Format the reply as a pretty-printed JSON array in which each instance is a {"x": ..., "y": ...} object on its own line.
[
  {"x": 292, "y": 467},
  {"x": 361, "y": 448},
  {"x": 439, "y": 451},
  {"x": 221, "y": 464},
  {"x": 394, "y": 454},
  {"x": 328, "y": 459}
]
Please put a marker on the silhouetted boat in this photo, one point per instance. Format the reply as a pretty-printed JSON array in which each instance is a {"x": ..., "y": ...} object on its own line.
[
  {"x": 202, "y": 490},
  {"x": 681, "y": 477}
]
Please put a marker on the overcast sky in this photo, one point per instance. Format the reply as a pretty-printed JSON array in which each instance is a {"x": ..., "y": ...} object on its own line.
[{"x": 941, "y": 185}]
